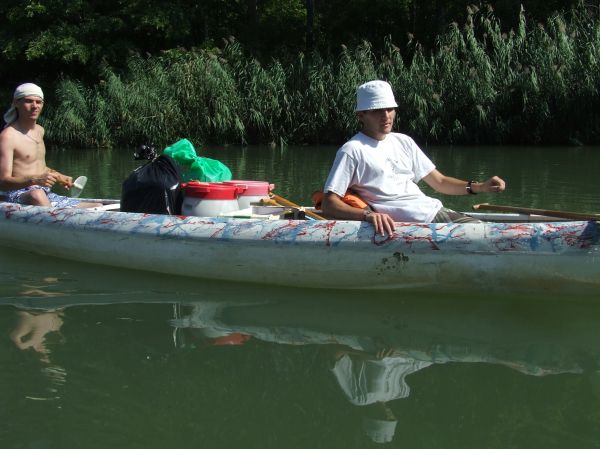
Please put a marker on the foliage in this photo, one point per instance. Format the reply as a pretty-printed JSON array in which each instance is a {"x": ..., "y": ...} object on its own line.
[
  {"x": 533, "y": 84},
  {"x": 44, "y": 40}
]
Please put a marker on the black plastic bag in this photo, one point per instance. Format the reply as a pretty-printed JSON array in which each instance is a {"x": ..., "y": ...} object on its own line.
[{"x": 153, "y": 188}]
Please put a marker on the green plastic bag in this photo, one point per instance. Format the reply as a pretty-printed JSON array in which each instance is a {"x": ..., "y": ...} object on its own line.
[{"x": 197, "y": 168}]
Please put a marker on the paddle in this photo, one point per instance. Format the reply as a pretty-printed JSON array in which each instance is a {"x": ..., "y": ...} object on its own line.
[
  {"x": 548, "y": 213},
  {"x": 283, "y": 202},
  {"x": 78, "y": 186}
]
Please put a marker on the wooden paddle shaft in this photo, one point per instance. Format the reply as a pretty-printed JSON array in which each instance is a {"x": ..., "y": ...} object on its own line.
[
  {"x": 282, "y": 201},
  {"x": 548, "y": 213}
]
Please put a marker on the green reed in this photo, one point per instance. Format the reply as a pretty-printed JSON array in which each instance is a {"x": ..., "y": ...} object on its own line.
[{"x": 480, "y": 84}]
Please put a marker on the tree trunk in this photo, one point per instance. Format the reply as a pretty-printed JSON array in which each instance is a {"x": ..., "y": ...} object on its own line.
[
  {"x": 310, "y": 22},
  {"x": 252, "y": 23}
]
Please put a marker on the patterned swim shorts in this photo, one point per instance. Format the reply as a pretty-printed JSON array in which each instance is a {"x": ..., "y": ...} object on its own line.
[{"x": 14, "y": 196}]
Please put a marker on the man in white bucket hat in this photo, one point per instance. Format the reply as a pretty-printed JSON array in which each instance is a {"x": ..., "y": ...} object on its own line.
[
  {"x": 383, "y": 168},
  {"x": 24, "y": 175}
]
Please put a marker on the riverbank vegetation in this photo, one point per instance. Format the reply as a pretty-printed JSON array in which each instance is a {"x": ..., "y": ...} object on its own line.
[{"x": 477, "y": 82}]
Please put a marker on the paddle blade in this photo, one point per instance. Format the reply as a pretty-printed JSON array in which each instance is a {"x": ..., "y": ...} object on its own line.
[{"x": 78, "y": 186}]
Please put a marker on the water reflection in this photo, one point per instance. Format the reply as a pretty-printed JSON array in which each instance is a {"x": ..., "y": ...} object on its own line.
[
  {"x": 377, "y": 358},
  {"x": 373, "y": 351},
  {"x": 33, "y": 332},
  {"x": 32, "y": 329},
  {"x": 36, "y": 331},
  {"x": 371, "y": 381}
]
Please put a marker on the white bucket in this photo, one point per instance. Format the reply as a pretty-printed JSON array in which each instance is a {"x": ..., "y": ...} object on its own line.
[
  {"x": 209, "y": 199},
  {"x": 252, "y": 192}
]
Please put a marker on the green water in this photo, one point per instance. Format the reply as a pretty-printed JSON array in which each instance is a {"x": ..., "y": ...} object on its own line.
[{"x": 125, "y": 359}]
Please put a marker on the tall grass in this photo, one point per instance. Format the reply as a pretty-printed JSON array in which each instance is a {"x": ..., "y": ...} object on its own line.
[{"x": 480, "y": 84}]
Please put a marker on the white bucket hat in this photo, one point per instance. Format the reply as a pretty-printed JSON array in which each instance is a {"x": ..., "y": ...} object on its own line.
[
  {"x": 24, "y": 90},
  {"x": 374, "y": 95}
]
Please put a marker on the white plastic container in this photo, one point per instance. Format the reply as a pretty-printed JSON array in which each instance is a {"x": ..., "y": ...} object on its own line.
[
  {"x": 209, "y": 199},
  {"x": 252, "y": 193}
]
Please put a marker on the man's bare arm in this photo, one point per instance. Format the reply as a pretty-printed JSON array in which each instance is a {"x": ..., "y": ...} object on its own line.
[
  {"x": 334, "y": 207},
  {"x": 453, "y": 186}
]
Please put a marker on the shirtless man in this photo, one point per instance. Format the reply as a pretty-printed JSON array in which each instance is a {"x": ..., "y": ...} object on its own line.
[{"x": 24, "y": 175}]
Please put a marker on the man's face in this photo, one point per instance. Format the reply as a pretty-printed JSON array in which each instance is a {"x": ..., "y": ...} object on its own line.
[
  {"x": 377, "y": 123},
  {"x": 29, "y": 107}
]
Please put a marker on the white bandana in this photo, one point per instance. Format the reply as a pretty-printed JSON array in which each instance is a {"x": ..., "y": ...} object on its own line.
[{"x": 24, "y": 90}]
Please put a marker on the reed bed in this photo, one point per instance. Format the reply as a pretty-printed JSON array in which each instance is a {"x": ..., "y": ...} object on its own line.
[{"x": 537, "y": 84}]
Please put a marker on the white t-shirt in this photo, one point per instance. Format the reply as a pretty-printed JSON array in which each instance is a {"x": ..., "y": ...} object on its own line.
[
  {"x": 384, "y": 174},
  {"x": 366, "y": 381}
]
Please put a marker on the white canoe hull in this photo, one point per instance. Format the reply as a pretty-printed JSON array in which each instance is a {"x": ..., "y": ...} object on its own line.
[{"x": 323, "y": 254}]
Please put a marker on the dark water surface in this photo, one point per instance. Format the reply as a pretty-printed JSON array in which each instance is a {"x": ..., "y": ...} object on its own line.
[{"x": 94, "y": 357}]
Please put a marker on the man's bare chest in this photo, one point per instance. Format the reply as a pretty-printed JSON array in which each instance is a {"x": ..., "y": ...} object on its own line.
[{"x": 28, "y": 152}]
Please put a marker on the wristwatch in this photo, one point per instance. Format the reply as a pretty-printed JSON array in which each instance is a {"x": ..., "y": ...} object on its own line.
[
  {"x": 366, "y": 213},
  {"x": 469, "y": 188}
]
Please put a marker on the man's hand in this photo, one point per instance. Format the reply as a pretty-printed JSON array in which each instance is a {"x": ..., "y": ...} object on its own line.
[
  {"x": 494, "y": 184},
  {"x": 46, "y": 179},
  {"x": 63, "y": 180},
  {"x": 383, "y": 223}
]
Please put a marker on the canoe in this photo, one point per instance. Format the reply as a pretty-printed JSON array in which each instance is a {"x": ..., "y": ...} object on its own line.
[{"x": 314, "y": 253}]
